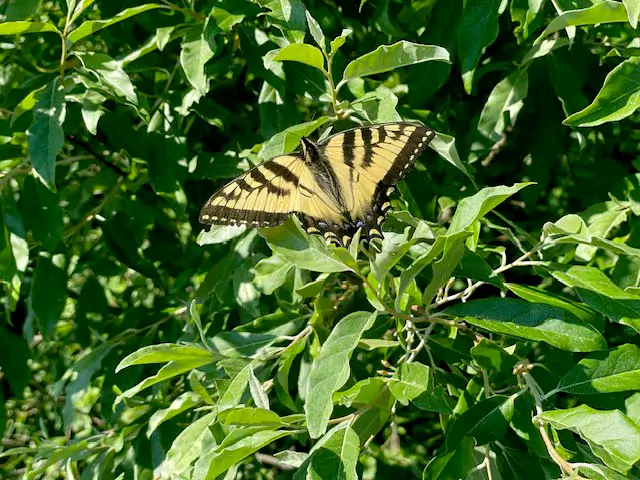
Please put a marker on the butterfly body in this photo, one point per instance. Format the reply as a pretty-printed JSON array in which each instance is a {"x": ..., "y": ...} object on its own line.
[{"x": 335, "y": 186}]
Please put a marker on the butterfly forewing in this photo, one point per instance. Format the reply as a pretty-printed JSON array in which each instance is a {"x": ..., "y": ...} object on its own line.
[{"x": 263, "y": 196}]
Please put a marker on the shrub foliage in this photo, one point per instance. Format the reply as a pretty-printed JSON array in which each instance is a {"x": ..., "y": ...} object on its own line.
[{"x": 493, "y": 333}]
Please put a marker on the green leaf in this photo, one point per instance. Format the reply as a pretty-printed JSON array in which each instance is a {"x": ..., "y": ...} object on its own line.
[
  {"x": 183, "y": 402},
  {"x": 220, "y": 234},
  {"x": 378, "y": 106},
  {"x": 316, "y": 31},
  {"x": 42, "y": 213},
  {"x": 302, "y": 250},
  {"x": 334, "y": 456},
  {"x": 288, "y": 16},
  {"x": 338, "y": 42},
  {"x": 110, "y": 75},
  {"x": 241, "y": 344},
  {"x": 302, "y": 53},
  {"x": 18, "y": 28},
  {"x": 455, "y": 464},
  {"x": 444, "y": 267},
  {"x": 330, "y": 369},
  {"x": 165, "y": 352},
  {"x": 633, "y": 11},
  {"x": 528, "y": 15},
  {"x": 606, "y": 11},
  {"x": 573, "y": 230},
  {"x": 389, "y": 57},
  {"x": 363, "y": 393},
  {"x": 271, "y": 273},
  {"x": 491, "y": 356},
  {"x": 170, "y": 370},
  {"x": 230, "y": 452},
  {"x": 477, "y": 206},
  {"x": 486, "y": 421},
  {"x": 258, "y": 393},
  {"x": 478, "y": 29},
  {"x": 374, "y": 417},
  {"x": 226, "y": 20},
  {"x": 618, "y": 98},
  {"x": 537, "y": 322},
  {"x": 21, "y": 9},
  {"x": 503, "y": 105},
  {"x": 435, "y": 399},
  {"x": 608, "y": 433},
  {"x": 445, "y": 146},
  {"x": 409, "y": 381},
  {"x": 79, "y": 9},
  {"x": 537, "y": 295},
  {"x": 92, "y": 110},
  {"x": 616, "y": 370},
  {"x": 247, "y": 416},
  {"x": 235, "y": 390},
  {"x": 287, "y": 140},
  {"x": 198, "y": 47},
  {"x": 408, "y": 275},
  {"x": 48, "y": 293},
  {"x": 80, "y": 376},
  {"x": 14, "y": 358},
  {"x": 188, "y": 446},
  {"x": 91, "y": 26},
  {"x": 45, "y": 135},
  {"x": 596, "y": 290}
]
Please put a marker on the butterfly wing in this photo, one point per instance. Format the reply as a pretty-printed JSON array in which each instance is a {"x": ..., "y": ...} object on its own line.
[
  {"x": 335, "y": 187},
  {"x": 261, "y": 197},
  {"x": 368, "y": 161}
]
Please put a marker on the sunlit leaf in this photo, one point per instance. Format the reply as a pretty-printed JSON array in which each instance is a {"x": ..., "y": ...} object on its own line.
[
  {"x": 611, "y": 444},
  {"x": 330, "y": 369},
  {"x": 45, "y": 135},
  {"x": 91, "y": 26},
  {"x": 618, "y": 98},
  {"x": 390, "y": 57}
]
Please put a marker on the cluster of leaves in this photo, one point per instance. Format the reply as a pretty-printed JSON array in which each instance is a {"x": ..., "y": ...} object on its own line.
[{"x": 474, "y": 343}]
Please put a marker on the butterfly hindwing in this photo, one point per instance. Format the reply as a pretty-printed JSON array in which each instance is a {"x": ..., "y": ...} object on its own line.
[{"x": 369, "y": 161}]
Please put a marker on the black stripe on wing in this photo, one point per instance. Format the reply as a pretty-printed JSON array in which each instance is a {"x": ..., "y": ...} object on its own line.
[{"x": 415, "y": 145}]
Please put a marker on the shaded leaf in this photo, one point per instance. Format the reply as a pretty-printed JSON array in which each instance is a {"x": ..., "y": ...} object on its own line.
[
  {"x": 45, "y": 135},
  {"x": 478, "y": 29},
  {"x": 48, "y": 294},
  {"x": 503, "y": 105}
]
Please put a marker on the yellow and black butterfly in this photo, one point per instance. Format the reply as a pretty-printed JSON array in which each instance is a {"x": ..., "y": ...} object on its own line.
[{"x": 335, "y": 187}]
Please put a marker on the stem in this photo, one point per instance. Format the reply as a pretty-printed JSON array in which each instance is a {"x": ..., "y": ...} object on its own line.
[
  {"x": 332, "y": 86},
  {"x": 487, "y": 462},
  {"x": 63, "y": 36}
]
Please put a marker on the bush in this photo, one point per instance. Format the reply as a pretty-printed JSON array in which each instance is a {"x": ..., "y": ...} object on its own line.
[{"x": 492, "y": 334}]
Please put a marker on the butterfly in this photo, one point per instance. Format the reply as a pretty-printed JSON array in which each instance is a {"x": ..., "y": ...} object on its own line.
[{"x": 335, "y": 186}]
